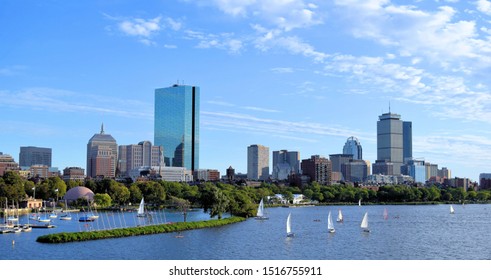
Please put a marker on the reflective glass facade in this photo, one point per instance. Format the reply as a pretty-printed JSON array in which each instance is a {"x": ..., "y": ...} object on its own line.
[{"x": 177, "y": 125}]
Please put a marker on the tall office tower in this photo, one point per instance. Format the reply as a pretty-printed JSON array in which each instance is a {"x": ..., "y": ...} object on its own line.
[
  {"x": 353, "y": 147},
  {"x": 30, "y": 156},
  {"x": 177, "y": 125},
  {"x": 136, "y": 156},
  {"x": 318, "y": 169},
  {"x": 285, "y": 163},
  {"x": 102, "y": 155},
  {"x": 257, "y": 162},
  {"x": 390, "y": 144},
  {"x": 407, "y": 141}
]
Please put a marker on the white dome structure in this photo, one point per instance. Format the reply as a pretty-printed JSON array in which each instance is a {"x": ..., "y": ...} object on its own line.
[{"x": 78, "y": 192}]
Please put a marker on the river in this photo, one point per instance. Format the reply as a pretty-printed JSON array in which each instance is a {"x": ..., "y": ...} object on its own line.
[{"x": 423, "y": 232}]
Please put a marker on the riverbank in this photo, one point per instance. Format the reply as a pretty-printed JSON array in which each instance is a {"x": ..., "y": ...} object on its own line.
[{"x": 64, "y": 237}]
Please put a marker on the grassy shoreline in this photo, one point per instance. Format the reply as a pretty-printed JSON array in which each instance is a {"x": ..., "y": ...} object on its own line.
[{"x": 64, "y": 237}]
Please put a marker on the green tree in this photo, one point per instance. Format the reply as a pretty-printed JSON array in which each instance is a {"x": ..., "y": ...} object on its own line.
[
  {"x": 135, "y": 194},
  {"x": 119, "y": 193},
  {"x": 102, "y": 200}
]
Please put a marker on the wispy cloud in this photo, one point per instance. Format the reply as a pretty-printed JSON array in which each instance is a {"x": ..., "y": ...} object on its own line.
[
  {"x": 282, "y": 70},
  {"x": 450, "y": 96},
  {"x": 224, "y": 41},
  {"x": 277, "y": 128},
  {"x": 12, "y": 70},
  {"x": 285, "y": 15},
  {"x": 440, "y": 35},
  {"x": 250, "y": 108},
  {"x": 56, "y": 100},
  {"x": 145, "y": 30}
]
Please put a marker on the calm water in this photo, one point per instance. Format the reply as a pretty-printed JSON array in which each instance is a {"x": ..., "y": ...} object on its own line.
[{"x": 410, "y": 233}]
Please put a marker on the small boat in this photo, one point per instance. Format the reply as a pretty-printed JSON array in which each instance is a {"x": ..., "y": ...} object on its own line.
[
  {"x": 86, "y": 218},
  {"x": 359, "y": 202},
  {"x": 289, "y": 232},
  {"x": 260, "y": 211},
  {"x": 452, "y": 211},
  {"x": 141, "y": 210},
  {"x": 26, "y": 228},
  {"x": 386, "y": 214},
  {"x": 66, "y": 216},
  {"x": 340, "y": 217},
  {"x": 330, "y": 225},
  {"x": 364, "y": 223}
]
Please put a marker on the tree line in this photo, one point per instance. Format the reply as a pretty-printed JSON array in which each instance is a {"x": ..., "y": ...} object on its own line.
[{"x": 218, "y": 198}]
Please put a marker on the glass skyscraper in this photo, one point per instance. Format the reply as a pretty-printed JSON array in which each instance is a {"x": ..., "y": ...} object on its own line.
[
  {"x": 177, "y": 125},
  {"x": 353, "y": 147}
]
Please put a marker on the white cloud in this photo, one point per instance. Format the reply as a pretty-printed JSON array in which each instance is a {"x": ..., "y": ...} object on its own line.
[
  {"x": 273, "y": 38},
  {"x": 140, "y": 27},
  {"x": 224, "y": 41},
  {"x": 282, "y": 70},
  {"x": 56, "y": 100},
  {"x": 278, "y": 128},
  {"x": 437, "y": 35},
  {"x": 282, "y": 14},
  {"x": 484, "y": 6}
]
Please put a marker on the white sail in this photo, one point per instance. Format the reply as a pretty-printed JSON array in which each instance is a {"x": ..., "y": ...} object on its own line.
[
  {"x": 386, "y": 214},
  {"x": 141, "y": 209},
  {"x": 289, "y": 232},
  {"x": 260, "y": 211},
  {"x": 340, "y": 216},
  {"x": 451, "y": 210},
  {"x": 330, "y": 225},
  {"x": 359, "y": 202},
  {"x": 364, "y": 222}
]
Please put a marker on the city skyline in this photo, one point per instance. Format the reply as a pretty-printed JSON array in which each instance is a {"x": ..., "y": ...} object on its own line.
[{"x": 294, "y": 75}]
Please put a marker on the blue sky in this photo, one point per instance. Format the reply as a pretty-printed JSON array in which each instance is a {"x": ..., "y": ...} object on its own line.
[{"x": 287, "y": 74}]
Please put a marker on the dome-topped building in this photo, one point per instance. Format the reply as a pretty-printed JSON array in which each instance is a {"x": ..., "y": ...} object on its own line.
[
  {"x": 78, "y": 192},
  {"x": 353, "y": 147},
  {"x": 102, "y": 155}
]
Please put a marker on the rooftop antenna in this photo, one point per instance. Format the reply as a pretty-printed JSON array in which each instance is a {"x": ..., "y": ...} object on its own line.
[{"x": 389, "y": 106}]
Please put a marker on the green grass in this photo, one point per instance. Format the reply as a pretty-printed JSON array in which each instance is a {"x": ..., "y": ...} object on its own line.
[{"x": 64, "y": 237}]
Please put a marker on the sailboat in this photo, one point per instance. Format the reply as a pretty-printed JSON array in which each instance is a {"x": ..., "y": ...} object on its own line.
[
  {"x": 289, "y": 232},
  {"x": 451, "y": 210},
  {"x": 386, "y": 214},
  {"x": 260, "y": 211},
  {"x": 44, "y": 219},
  {"x": 340, "y": 217},
  {"x": 66, "y": 216},
  {"x": 330, "y": 225},
  {"x": 359, "y": 202},
  {"x": 364, "y": 223},
  {"x": 141, "y": 210},
  {"x": 53, "y": 214},
  {"x": 90, "y": 217}
]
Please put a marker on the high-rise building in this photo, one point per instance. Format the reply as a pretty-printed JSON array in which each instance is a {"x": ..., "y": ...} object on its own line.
[
  {"x": 394, "y": 141},
  {"x": 318, "y": 169},
  {"x": 407, "y": 140},
  {"x": 285, "y": 163},
  {"x": 257, "y": 162},
  {"x": 136, "y": 156},
  {"x": 176, "y": 125},
  {"x": 30, "y": 156},
  {"x": 102, "y": 155},
  {"x": 353, "y": 147}
]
